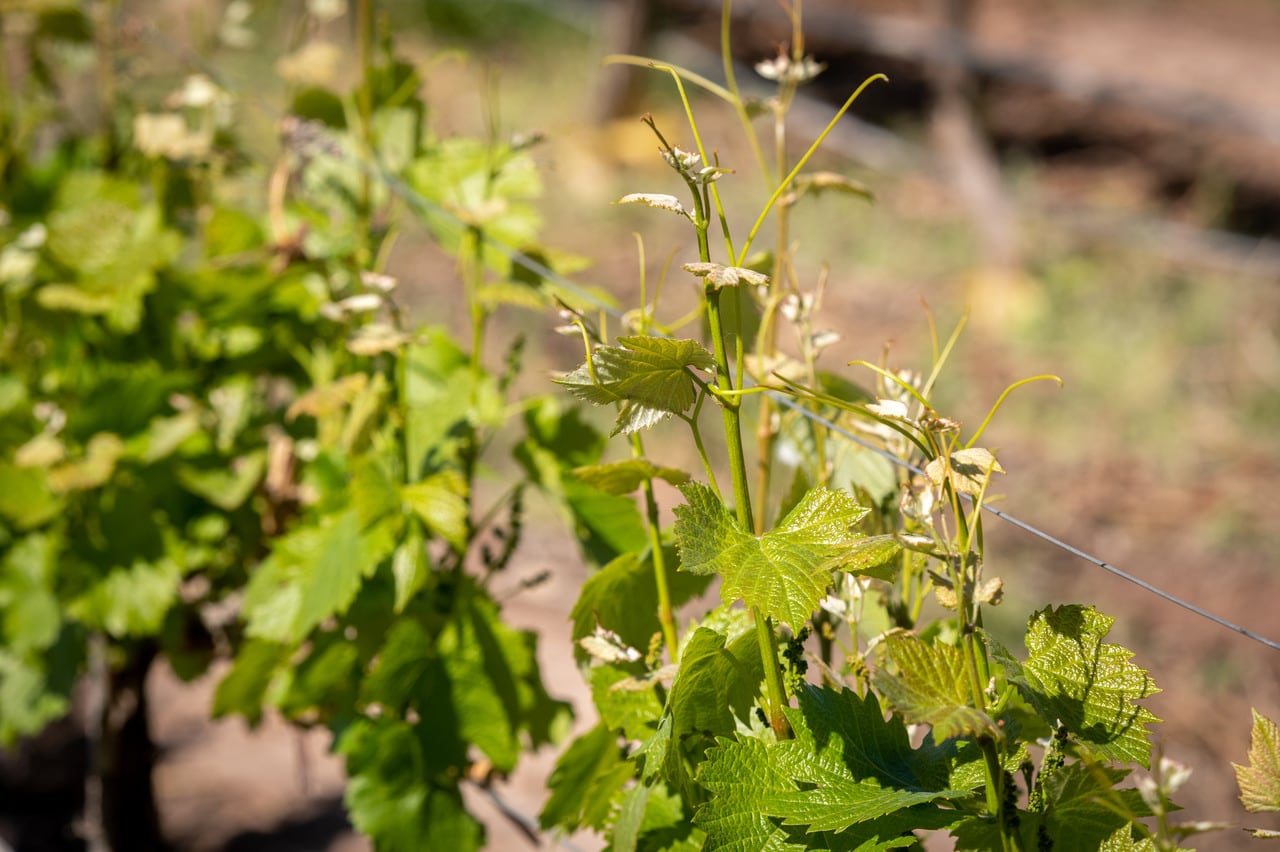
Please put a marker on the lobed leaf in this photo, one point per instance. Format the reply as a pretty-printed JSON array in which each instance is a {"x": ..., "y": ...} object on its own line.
[
  {"x": 623, "y": 477},
  {"x": 648, "y": 375},
  {"x": 1071, "y": 675},
  {"x": 785, "y": 572},
  {"x": 931, "y": 687}
]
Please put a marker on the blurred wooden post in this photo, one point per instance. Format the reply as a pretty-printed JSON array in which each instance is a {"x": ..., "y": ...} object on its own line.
[
  {"x": 973, "y": 169},
  {"x": 626, "y": 26}
]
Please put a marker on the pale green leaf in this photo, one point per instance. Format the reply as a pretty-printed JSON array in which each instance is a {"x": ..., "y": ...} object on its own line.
[
  {"x": 623, "y": 477},
  {"x": 1073, "y": 676},
  {"x": 1260, "y": 780},
  {"x": 931, "y": 687},
  {"x": 652, "y": 373},
  {"x": 93, "y": 469},
  {"x": 29, "y": 610},
  {"x": 969, "y": 470},
  {"x": 785, "y": 572},
  {"x": 130, "y": 600},
  {"x": 243, "y": 689},
  {"x": 440, "y": 501}
]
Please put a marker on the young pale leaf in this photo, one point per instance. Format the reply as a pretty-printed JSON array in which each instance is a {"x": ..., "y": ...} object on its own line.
[
  {"x": 785, "y": 572},
  {"x": 440, "y": 501},
  {"x": 1260, "y": 780},
  {"x": 718, "y": 276},
  {"x": 1073, "y": 676},
  {"x": 623, "y": 477},
  {"x": 932, "y": 688},
  {"x": 650, "y": 375},
  {"x": 655, "y": 199},
  {"x": 970, "y": 470}
]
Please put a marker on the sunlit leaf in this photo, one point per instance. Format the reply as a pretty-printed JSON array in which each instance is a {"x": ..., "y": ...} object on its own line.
[
  {"x": 785, "y": 572},
  {"x": 1260, "y": 780}
]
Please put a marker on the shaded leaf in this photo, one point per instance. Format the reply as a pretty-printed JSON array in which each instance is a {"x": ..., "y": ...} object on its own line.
[
  {"x": 587, "y": 777},
  {"x": 931, "y": 687},
  {"x": 623, "y": 477},
  {"x": 1073, "y": 676}
]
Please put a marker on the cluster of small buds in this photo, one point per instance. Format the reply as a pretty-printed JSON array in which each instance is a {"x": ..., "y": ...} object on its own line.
[
  {"x": 798, "y": 307},
  {"x": 782, "y": 68},
  {"x": 681, "y": 160}
]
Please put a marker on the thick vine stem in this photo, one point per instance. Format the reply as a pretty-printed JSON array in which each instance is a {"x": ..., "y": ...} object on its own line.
[{"x": 731, "y": 411}]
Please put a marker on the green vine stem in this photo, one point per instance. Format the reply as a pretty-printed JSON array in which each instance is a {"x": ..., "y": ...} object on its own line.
[{"x": 666, "y": 616}]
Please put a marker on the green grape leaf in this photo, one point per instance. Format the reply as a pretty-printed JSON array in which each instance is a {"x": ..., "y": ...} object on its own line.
[
  {"x": 312, "y": 573},
  {"x": 651, "y": 819},
  {"x": 243, "y": 688},
  {"x": 785, "y": 572},
  {"x": 26, "y": 498},
  {"x": 27, "y": 701},
  {"x": 440, "y": 501},
  {"x": 623, "y": 597},
  {"x": 649, "y": 374},
  {"x": 623, "y": 477},
  {"x": 1260, "y": 780},
  {"x": 130, "y": 600},
  {"x": 714, "y": 691},
  {"x": 607, "y": 525},
  {"x": 634, "y": 712},
  {"x": 29, "y": 610},
  {"x": 1073, "y": 676},
  {"x": 393, "y": 798},
  {"x": 587, "y": 778},
  {"x": 1083, "y": 812},
  {"x": 931, "y": 687},
  {"x": 867, "y": 790},
  {"x": 874, "y": 556},
  {"x": 1124, "y": 841},
  {"x": 970, "y": 470}
]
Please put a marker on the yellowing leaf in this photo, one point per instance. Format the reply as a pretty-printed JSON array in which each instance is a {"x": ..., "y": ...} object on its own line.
[
  {"x": 969, "y": 470},
  {"x": 1260, "y": 780}
]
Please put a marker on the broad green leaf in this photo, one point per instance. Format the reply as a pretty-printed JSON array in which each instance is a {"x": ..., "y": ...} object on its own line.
[
  {"x": 319, "y": 687},
  {"x": 1260, "y": 780},
  {"x": 130, "y": 600},
  {"x": 243, "y": 689},
  {"x": 1073, "y": 676},
  {"x": 714, "y": 691},
  {"x": 781, "y": 794},
  {"x": 931, "y": 687},
  {"x": 634, "y": 712},
  {"x": 650, "y": 819},
  {"x": 26, "y": 498},
  {"x": 623, "y": 597},
  {"x": 1124, "y": 841},
  {"x": 624, "y": 477},
  {"x": 785, "y": 572},
  {"x": 29, "y": 610},
  {"x": 440, "y": 501},
  {"x": 650, "y": 373},
  {"x": 606, "y": 525},
  {"x": 27, "y": 703},
  {"x": 393, "y": 798},
  {"x": 313, "y": 572},
  {"x": 585, "y": 782},
  {"x": 1084, "y": 811}
]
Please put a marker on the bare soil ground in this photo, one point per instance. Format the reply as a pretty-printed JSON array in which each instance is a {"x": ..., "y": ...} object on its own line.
[{"x": 223, "y": 787}]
